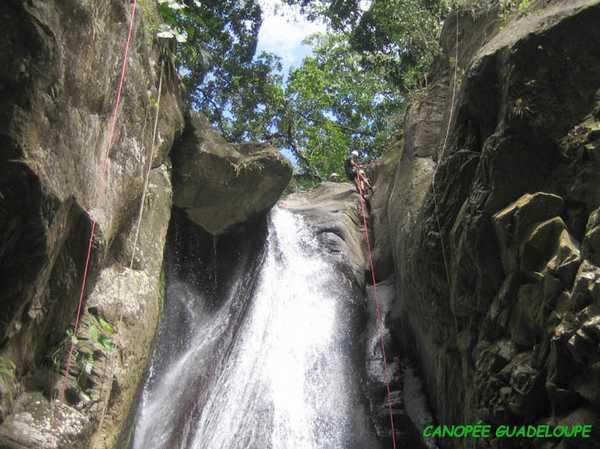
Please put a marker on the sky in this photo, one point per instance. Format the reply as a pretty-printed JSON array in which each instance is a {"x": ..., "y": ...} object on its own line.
[{"x": 283, "y": 31}]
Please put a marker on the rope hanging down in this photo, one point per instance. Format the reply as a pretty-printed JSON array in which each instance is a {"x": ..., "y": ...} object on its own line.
[
  {"x": 147, "y": 174},
  {"x": 441, "y": 157},
  {"x": 360, "y": 183},
  {"x": 138, "y": 223},
  {"x": 99, "y": 200}
]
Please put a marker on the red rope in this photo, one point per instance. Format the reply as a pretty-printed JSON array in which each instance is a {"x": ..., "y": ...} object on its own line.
[
  {"x": 359, "y": 185},
  {"x": 100, "y": 196}
]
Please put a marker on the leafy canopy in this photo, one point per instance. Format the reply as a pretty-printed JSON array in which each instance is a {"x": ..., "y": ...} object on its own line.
[
  {"x": 333, "y": 106},
  {"x": 216, "y": 60},
  {"x": 345, "y": 96}
]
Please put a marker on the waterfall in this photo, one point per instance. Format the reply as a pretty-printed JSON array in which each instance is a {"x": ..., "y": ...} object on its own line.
[{"x": 271, "y": 363}]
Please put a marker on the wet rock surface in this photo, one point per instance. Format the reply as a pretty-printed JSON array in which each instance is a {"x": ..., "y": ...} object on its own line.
[{"x": 333, "y": 211}]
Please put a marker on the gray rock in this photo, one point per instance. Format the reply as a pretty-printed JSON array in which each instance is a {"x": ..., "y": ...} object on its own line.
[
  {"x": 490, "y": 250},
  {"x": 586, "y": 288},
  {"x": 56, "y": 178},
  {"x": 219, "y": 184},
  {"x": 550, "y": 247},
  {"x": 33, "y": 426},
  {"x": 591, "y": 241},
  {"x": 588, "y": 384},
  {"x": 333, "y": 211},
  {"x": 513, "y": 222}
]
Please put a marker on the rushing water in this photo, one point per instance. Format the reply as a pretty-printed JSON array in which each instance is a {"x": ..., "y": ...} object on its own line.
[{"x": 267, "y": 361}]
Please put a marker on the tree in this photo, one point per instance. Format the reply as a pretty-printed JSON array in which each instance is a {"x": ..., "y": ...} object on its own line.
[
  {"x": 216, "y": 61},
  {"x": 397, "y": 37},
  {"x": 344, "y": 97},
  {"x": 333, "y": 106},
  {"x": 342, "y": 15},
  {"x": 400, "y": 37}
]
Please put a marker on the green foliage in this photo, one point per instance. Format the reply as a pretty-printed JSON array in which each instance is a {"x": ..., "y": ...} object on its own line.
[
  {"x": 152, "y": 19},
  {"x": 520, "y": 6},
  {"x": 238, "y": 91},
  {"x": 401, "y": 38},
  {"x": 106, "y": 327},
  {"x": 216, "y": 61},
  {"x": 349, "y": 95},
  {"x": 94, "y": 342},
  {"x": 7, "y": 378},
  {"x": 342, "y": 15},
  {"x": 398, "y": 38},
  {"x": 7, "y": 368},
  {"x": 524, "y": 5},
  {"x": 301, "y": 183},
  {"x": 504, "y": 8},
  {"x": 333, "y": 106},
  {"x": 244, "y": 100}
]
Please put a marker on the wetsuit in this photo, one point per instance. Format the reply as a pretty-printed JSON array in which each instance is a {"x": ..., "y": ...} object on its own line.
[{"x": 350, "y": 169}]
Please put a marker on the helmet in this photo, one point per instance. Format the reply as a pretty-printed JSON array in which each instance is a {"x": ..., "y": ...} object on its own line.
[{"x": 354, "y": 153}]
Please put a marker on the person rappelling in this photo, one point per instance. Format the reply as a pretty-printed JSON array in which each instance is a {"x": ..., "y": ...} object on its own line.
[{"x": 355, "y": 172}]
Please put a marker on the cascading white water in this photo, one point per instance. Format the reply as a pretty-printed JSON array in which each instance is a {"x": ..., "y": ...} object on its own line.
[{"x": 285, "y": 376}]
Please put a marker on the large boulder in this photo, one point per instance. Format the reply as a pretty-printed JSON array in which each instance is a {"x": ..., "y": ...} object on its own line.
[
  {"x": 333, "y": 210},
  {"x": 219, "y": 184}
]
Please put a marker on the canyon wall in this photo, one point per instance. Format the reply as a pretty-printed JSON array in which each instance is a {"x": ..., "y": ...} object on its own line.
[{"x": 491, "y": 225}]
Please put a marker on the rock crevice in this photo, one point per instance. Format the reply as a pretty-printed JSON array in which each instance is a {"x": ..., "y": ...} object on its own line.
[{"x": 508, "y": 333}]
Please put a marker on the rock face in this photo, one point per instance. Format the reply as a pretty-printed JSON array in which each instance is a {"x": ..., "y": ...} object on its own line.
[
  {"x": 219, "y": 184},
  {"x": 495, "y": 248},
  {"x": 333, "y": 210},
  {"x": 60, "y": 62}
]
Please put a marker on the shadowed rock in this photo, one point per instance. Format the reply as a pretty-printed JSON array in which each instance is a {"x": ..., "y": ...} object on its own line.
[
  {"x": 219, "y": 184},
  {"x": 488, "y": 255}
]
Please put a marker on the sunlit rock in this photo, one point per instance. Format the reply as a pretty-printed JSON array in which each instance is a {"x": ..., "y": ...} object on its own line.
[{"x": 219, "y": 184}]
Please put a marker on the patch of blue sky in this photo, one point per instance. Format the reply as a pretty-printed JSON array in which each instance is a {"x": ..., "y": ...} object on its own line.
[{"x": 284, "y": 31}]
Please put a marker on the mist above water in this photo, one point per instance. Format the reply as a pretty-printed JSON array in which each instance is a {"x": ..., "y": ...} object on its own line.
[{"x": 264, "y": 360}]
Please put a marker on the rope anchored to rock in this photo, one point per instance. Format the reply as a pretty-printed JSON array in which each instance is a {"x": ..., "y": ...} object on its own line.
[
  {"x": 362, "y": 184},
  {"x": 100, "y": 200},
  {"x": 138, "y": 224}
]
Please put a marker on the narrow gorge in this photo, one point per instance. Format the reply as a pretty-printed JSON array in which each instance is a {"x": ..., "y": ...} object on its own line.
[{"x": 197, "y": 297}]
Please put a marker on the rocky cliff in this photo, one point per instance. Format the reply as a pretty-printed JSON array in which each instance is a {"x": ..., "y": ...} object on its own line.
[
  {"x": 491, "y": 225},
  {"x": 60, "y": 63}
]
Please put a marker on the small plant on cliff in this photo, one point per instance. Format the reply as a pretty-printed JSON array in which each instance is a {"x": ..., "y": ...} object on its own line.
[
  {"x": 520, "y": 108},
  {"x": 91, "y": 346},
  {"x": 7, "y": 368},
  {"x": 7, "y": 377}
]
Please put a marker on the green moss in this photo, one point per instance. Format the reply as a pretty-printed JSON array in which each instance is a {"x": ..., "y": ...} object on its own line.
[
  {"x": 152, "y": 20},
  {"x": 7, "y": 370},
  {"x": 505, "y": 8}
]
